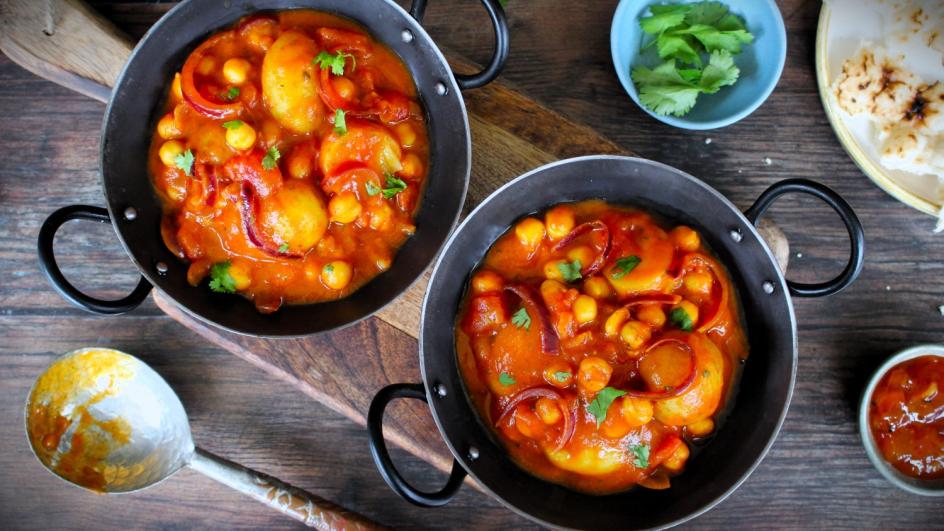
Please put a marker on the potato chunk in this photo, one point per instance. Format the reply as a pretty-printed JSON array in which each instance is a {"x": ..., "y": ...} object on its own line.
[
  {"x": 290, "y": 83},
  {"x": 370, "y": 144},
  {"x": 295, "y": 215},
  {"x": 701, "y": 400}
]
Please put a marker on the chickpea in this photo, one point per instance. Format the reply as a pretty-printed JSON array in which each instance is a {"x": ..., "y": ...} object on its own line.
[
  {"x": 169, "y": 151},
  {"x": 698, "y": 283},
  {"x": 383, "y": 263},
  {"x": 344, "y": 208},
  {"x": 552, "y": 270},
  {"x": 614, "y": 427},
  {"x": 240, "y": 272},
  {"x": 406, "y": 134},
  {"x": 548, "y": 410},
  {"x": 652, "y": 315},
  {"x": 487, "y": 282},
  {"x": 300, "y": 163},
  {"x": 344, "y": 87},
  {"x": 690, "y": 309},
  {"x": 207, "y": 66},
  {"x": 635, "y": 334},
  {"x": 597, "y": 287},
  {"x": 676, "y": 461},
  {"x": 685, "y": 238},
  {"x": 336, "y": 275},
  {"x": 559, "y": 374},
  {"x": 528, "y": 422},
  {"x": 582, "y": 253},
  {"x": 412, "y": 166},
  {"x": 167, "y": 127},
  {"x": 585, "y": 309},
  {"x": 530, "y": 232},
  {"x": 241, "y": 137},
  {"x": 701, "y": 428},
  {"x": 636, "y": 411},
  {"x": 560, "y": 221},
  {"x": 381, "y": 216},
  {"x": 593, "y": 374},
  {"x": 236, "y": 70},
  {"x": 615, "y": 321}
]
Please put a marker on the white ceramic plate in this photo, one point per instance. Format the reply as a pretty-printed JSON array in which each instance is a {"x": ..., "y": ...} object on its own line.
[{"x": 843, "y": 25}]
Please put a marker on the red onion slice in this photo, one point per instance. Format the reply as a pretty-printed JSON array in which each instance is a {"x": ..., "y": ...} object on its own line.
[
  {"x": 654, "y": 299},
  {"x": 585, "y": 228},
  {"x": 550, "y": 343},
  {"x": 534, "y": 393}
]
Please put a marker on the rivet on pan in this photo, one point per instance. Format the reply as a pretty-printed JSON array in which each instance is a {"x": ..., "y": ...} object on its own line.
[
  {"x": 440, "y": 390},
  {"x": 131, "y": 213},
  {"x": 441, "y": 88},
  {"x": 736, "y": 235},
  {"x": 473, "y": 453},
  {"x": 161, "y": 268},
  {"x": 406, "y": 36},
  {"x": 768, "y": 287}
]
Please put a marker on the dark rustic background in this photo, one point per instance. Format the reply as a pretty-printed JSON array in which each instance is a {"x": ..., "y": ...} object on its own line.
[{"x": 816, "y": 476}]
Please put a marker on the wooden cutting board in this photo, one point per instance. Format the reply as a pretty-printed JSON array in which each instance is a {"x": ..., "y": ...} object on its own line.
[{"x": 511, "y": 134}]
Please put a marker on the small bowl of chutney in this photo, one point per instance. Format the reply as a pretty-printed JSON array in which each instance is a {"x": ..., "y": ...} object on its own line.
[{"x": 901, "y": 420}]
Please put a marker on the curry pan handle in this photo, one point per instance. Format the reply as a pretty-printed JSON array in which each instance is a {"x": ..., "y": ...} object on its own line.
[
  {"x": 378, "y": 450},
  {"x": 47, "y": 261},
  {"x": 849, "y": 219},
  {"x": 500, "y": 55}
]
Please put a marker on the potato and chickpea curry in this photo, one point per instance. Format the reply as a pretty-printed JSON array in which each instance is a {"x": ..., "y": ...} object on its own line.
[
  {"x": 600, "y": 345},
  {"x": 290, "y": 160}
]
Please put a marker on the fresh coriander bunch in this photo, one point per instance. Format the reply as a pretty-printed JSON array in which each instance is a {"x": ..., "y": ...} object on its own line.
[{"x": 697, "y": 43}]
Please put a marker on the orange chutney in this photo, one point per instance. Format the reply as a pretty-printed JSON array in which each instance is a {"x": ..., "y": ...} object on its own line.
[
  {"x": 600, "y": 345},
  {"x": 906, "y": 416},
  {"x": 290, "y": 160}
]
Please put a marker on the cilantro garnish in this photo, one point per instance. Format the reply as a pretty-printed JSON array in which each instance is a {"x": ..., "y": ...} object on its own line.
[
  {"x": 233, "y": 124},
  {"x": 184, "y": 161},
  {"x": 393, "y": 186},
  {"x": 601, "y": 403},
  {"x": 232, "y": 93},
  {"x": 521, "y": 319},
  {"x": 680, "y": 318},
  {"x": 333, "y": 61},
  {"x": 372, "y": 189},
  {"x": 506, "y": 379},
  {"x": 562, "y": 376},
  {"x": 283, "y": 248},
  {"x": 625, "y": 266},
  {"x": 271, "y": 157},
  {"x": 570, "y": 271},
  {"x": 220, "y": 279},
  {"x": 640, "y": 455}
]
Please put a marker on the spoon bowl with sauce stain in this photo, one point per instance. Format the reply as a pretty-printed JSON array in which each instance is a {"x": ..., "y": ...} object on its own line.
[
  {"x": 901, "y": 420},
  {"x": 105, "y": 421}
]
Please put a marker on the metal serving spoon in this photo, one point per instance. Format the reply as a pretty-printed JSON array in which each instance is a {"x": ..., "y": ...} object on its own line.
[{"x": 105, "y": 421}]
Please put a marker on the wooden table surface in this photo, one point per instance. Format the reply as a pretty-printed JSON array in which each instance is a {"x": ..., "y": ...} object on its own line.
[{"x": 816, "y": 475}]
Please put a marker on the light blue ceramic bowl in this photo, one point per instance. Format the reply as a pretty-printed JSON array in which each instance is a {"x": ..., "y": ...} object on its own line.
[{"x": 761, "y": 62}]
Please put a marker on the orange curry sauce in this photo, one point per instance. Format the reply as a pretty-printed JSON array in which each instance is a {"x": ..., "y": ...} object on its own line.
[
  {"x": 291, "y": 157},
  {"x": 600, "y": 345},
  {"x": 907, "y": 417}
]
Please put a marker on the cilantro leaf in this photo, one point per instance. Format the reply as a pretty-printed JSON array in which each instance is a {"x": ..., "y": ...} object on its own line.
[
  {"x": 393, "y": 186},
  {"x": 329, "y": 268},
  {"x": 663, "y": 90},
  {"x": 570, "y": 271},
  {"x": 640, "y": 455},
  {"x": 659, "y": 22},
  {"x": 269, "y": 161},
  {"x": 220, "y": 279},
  {"x": 680, "y": 318},
  {"x": 730, "y": 22},
  {"x": 283, "y": 248},
  {"x": 720, "y": 72},
  {"x": 670, "y": 8},
  {"x": 625, "y": 266},
  {"x": 233, "y": 124},
  {"x": 521, "y": 319},
  {"x": 705, "y": 13},
  {"x": 562, "y": 376},
  {"x": 679, "y": 46},
  {"x": 333, "y": 61},
  {"x": 714, "y": 39},
  {"x": 506, "y": 379},
  {"x": 340, "y": 122},
  {"x": 601, "y": 403},
  {"x": 232, "y": 93},
  {"x": 372, "y": 189},
  {"x": 184, "y": 162}
]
